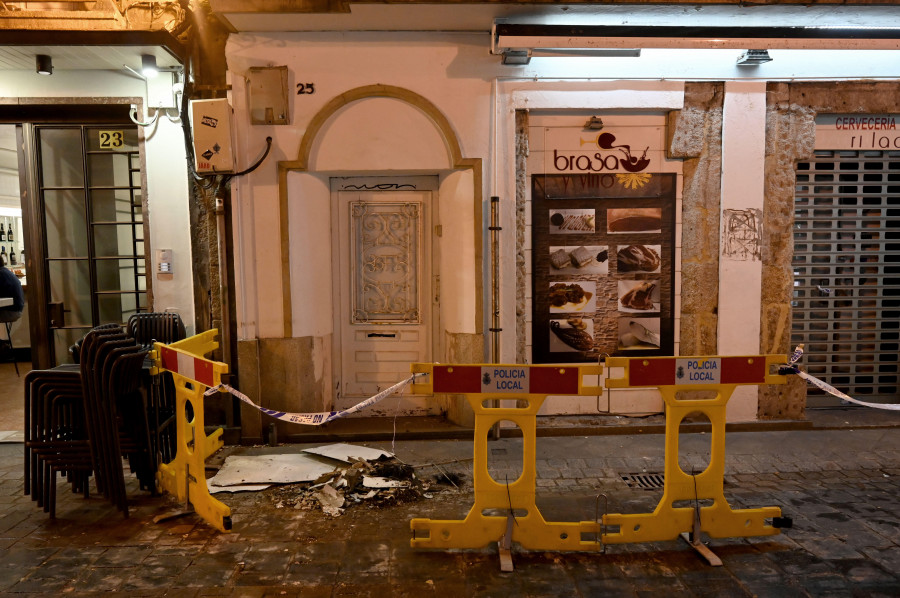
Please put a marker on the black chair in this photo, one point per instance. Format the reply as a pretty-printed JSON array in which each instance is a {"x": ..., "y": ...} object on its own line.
[
  {"x": 8, "y": 317},
  {"x": 56, "y": 436},
  {"x": 58, "y": 433},
  {"x": 164, "y": 327},
  {"x": 84, "y": 421}
]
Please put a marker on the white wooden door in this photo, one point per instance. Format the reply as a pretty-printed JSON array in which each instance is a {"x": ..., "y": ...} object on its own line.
[{"x": 383, "y": 316}]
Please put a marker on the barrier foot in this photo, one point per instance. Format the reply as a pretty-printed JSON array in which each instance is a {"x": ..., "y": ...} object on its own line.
[
  {"x": 694, "y": 539},
  {"x": 702, "y": 549},
  {"x": 505, "y": 544}
]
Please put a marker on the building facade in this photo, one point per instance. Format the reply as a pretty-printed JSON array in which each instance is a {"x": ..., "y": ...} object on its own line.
[{"x": 535, "y": 183}]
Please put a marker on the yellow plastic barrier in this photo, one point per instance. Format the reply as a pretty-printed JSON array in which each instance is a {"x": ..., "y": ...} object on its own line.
[
  {"x": 673, "y": 375},
  {"x": 508, "y": 513},
  {"x": 519, "y": 519},
  {"x": 185, "y": 476}
]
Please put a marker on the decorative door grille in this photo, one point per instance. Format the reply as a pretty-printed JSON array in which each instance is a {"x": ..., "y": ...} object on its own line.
[
  {"x": 846, "y": 303},
  {"x": 385, "y": 241}
]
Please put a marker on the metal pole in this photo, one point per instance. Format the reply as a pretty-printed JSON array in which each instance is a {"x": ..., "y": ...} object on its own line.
[{"x": 495, "y": 329}]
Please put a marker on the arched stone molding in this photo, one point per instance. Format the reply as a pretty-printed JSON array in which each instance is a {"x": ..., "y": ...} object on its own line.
[{"x": 456, "y": 161}]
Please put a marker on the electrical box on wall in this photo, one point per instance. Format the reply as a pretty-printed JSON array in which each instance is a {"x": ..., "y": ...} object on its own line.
[
  {"x": 269, "y": 98},
  {"x": 211, "y": 128}
]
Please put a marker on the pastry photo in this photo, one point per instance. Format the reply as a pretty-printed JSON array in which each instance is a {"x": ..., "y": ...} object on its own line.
[
  {"x": 592, "y": 259},
  {"x": 634, "y": 220},
  {"x": 638, "y": 258},
  {"x": 567, "y": 297},
  {"x": 638, "y": 296},
  {"x": 571, "y": 335},
  {"x": 570, "y": 222}
]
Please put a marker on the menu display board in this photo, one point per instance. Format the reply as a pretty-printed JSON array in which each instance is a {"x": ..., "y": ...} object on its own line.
[{"x": 603, "y": 265}]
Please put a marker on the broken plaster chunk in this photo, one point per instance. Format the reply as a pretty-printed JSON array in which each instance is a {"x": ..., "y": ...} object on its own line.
[
  {"x": 330, "y": 500},
  {"x": 348, "y": 452},
  {"x": 377, "y": 482},
  {"x": 268, "y": 469}
]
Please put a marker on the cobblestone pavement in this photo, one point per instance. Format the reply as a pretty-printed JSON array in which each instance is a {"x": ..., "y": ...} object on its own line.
[{"x": 840, "y": 486}]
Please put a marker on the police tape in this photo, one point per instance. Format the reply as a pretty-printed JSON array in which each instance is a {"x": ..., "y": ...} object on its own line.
[
  {"x": 314, "y": 419},
  {"x": 793, "y": 369}
]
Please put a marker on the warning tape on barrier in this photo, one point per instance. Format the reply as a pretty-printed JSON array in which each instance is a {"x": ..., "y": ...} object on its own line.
[
  {"x": 314, "y": 419},
  {"x": 791, "y": 368}
]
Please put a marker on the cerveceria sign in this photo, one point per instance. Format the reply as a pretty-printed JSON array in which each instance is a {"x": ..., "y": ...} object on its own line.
[{"x": 857, "y": 132}]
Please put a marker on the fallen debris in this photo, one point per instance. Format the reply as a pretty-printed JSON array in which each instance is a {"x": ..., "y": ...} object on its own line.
[
  {"x": 329, "y": 478},
  {"x": 360, "y": 482}
]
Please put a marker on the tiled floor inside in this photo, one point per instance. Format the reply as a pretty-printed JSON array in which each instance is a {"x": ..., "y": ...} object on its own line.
[{"x": 12, "y": 411}]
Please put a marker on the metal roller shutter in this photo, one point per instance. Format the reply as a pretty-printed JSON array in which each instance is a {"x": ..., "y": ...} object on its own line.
[{"x": 846, "y": 302}]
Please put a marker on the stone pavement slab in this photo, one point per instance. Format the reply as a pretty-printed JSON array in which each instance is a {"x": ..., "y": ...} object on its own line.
[{"x": 845, "y": 540}]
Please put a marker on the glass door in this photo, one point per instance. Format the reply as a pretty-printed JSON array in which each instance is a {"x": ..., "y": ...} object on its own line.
[{"x": 88, "y": 183}]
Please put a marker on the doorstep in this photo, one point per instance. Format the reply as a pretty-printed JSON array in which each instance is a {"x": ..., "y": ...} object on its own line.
[{"x": 359, "y": 429}]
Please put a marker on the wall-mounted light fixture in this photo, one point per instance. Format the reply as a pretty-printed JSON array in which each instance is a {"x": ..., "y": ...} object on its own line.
[
  {"x": 517, "y": 57},
  {"x": 753, "y": 58},
  {"x": 594, "y": 123},
  {"x": 148, "y": 66},
  {"x": 43, "y": 64}
]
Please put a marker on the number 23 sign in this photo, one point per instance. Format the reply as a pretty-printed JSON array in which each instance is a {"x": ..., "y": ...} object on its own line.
[{"x": 111, "y": 139}]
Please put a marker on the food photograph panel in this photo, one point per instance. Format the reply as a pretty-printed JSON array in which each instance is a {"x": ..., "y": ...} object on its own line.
[
  {"x": 636, "y": 334},
  {"x": 638, "y": 259},
  {"x": 572, "y": 335},
  {"x": 638, "y": 296},
  {"x": 572, "y": 222},
  {"x": 591, "y": 259},
  {"x": 568, "y": 297},
  {"x": 634, "y": 220},
  {"x": 602, "y": 276}
]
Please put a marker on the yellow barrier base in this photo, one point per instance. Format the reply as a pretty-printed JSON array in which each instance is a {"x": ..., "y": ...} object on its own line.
[
  {"x": 185, "y": 476},
  {"x": 687, "y": 491},
  {"x": 504, "y": 512}
]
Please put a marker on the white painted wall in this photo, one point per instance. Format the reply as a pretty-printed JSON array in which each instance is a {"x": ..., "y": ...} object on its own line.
[
  {"x": 743, "y": 177},
  {"x": 166, "y": 170},
  {"x": 374, "y": 135}
]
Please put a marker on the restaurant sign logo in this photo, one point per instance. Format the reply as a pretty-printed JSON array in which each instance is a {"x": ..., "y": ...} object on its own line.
[{"x": 605, "y": 153}]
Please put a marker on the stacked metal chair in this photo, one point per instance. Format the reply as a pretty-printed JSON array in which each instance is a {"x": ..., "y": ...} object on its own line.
[
  {"x": 111, "y": 364},
  {"x": 164, "y": 327},
  {"x": 83, "y": 421},
  {"x": 57, "y": 436}
]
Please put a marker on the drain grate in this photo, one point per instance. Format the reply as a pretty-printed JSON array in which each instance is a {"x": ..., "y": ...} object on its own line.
[{"x": 644, "y": 481}]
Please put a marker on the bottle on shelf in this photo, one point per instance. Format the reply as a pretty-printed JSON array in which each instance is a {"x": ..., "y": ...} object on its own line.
[
  {"x": 12, "y": 256},
  {"x": 9, "y": 232},
  {"x": 2, "y": 233}
]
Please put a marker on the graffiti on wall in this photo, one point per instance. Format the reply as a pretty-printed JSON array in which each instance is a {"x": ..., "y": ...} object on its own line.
[{"x": 741, "y": 234}]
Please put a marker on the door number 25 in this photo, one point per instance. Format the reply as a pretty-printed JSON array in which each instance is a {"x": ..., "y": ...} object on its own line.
[{"x": 306, "y": 88}]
